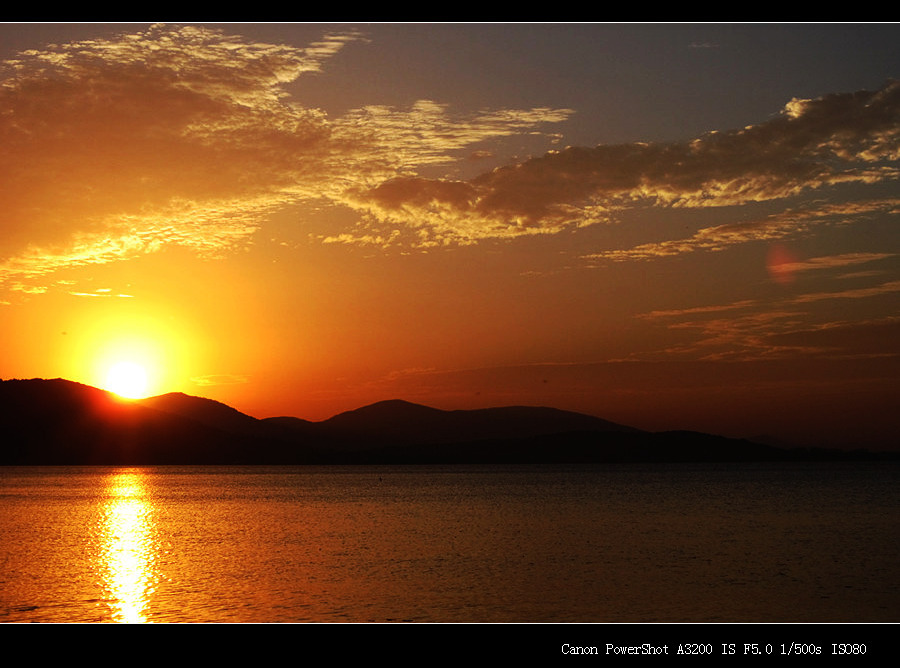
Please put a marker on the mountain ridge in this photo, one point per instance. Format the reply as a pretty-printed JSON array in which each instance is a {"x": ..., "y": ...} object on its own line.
[{"x": 58, "y": 421}]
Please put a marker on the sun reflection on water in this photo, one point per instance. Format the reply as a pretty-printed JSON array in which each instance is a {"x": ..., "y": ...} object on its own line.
[{"x": 128, "y": 550}]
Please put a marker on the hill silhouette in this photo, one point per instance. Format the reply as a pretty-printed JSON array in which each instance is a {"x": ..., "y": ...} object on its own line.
[
  {"x": 396, "y": 422},
  {"x": 205, "y": 411},
  {"x": 61, "y": 422}
]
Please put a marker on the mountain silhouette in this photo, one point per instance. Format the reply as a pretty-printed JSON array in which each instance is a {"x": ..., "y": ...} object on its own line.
[
  {"x": 205, "y": 411},
  {"x": 61, "y": 422},
  {"x": 398, "y": 422}
]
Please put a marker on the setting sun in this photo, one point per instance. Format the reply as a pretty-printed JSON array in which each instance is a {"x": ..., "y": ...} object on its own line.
[
  {"x": 128, "y": 380},
  {"x": 133, "y": 349}
]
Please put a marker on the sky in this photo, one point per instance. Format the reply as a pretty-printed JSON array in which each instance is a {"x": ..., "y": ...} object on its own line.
[{"x": 671, "y": 226}]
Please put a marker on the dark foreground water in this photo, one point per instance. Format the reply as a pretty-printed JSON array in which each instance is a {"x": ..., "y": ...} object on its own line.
[{"x": 624, "y": 543}]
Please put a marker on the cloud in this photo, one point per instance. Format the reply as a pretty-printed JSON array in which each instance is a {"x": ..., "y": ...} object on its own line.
[
  {"x": 102, "y": 292},
  {"x": 880, "y": 336},
  {"x": 823, "y": 263},
  {"x": 187, "y": 136},
  {"x": 786, "y": 326},
  {"x": 220, "y": 379},
  {"x": 843, "y": 260},
  {"x": 857, "y": 293},
  {"x": 184, "y": 135},
  {"x": 777, "y": 226},
  {"x": 810, "y": 145},
  {"x": 116, "y": 147}
]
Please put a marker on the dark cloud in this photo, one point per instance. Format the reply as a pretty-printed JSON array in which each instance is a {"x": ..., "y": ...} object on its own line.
[{"x": 811, "y": 144}]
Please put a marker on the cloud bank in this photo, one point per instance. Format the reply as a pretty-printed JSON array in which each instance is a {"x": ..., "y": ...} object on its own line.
[{"x": 187, "y": 136}]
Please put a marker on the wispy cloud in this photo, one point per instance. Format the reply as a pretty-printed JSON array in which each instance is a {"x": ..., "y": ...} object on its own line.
[
  {"x": 785, "y": 326},
  {"x": 856, "y": 293},
  {"x": 220, "y": 379},
  {"x": 833, "y": 261},
  {"x": 103, "y": 292},
  {"x": 783, "y": 225},
  {"x": 810, "y": 145},
  {"x": 184, "y": 135}
]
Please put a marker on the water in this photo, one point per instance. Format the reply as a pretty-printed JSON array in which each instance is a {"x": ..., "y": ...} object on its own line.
[{"x": 625, "y": 543}]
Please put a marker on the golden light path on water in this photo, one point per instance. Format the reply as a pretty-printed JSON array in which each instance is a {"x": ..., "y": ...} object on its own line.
[{"x": 128, "y": 551}]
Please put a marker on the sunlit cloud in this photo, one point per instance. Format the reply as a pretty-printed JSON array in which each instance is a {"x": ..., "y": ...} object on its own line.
[
  {"x": 810, "y": 145},
  {"x": 185, "y": 135},
  {"x": 220, "y": 379},
  {"x": 104, "y": 292},
  {"x": 28, "y": 289},
  {"x": 783, "y": 225},
  {"x": 790, "y": 267},
  {"x": 118, "y": 147},
  {"x": 857, "y": 293},
  {"x": 426, "y": 134}
]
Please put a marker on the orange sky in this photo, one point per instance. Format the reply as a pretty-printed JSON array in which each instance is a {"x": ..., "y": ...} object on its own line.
[{"x": 670, "y": 226}]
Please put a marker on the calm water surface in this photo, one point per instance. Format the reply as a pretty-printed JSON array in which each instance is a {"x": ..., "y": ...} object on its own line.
[{"x": 626, "y": 543}]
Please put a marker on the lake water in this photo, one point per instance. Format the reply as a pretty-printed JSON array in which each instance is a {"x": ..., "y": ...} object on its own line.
[{"x": 623, "y": 543}]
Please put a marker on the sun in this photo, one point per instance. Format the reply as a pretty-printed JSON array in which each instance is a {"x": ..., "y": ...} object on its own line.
[
  {"x": 127, "y": 379},
  {"x": 134, "y": 351}
]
